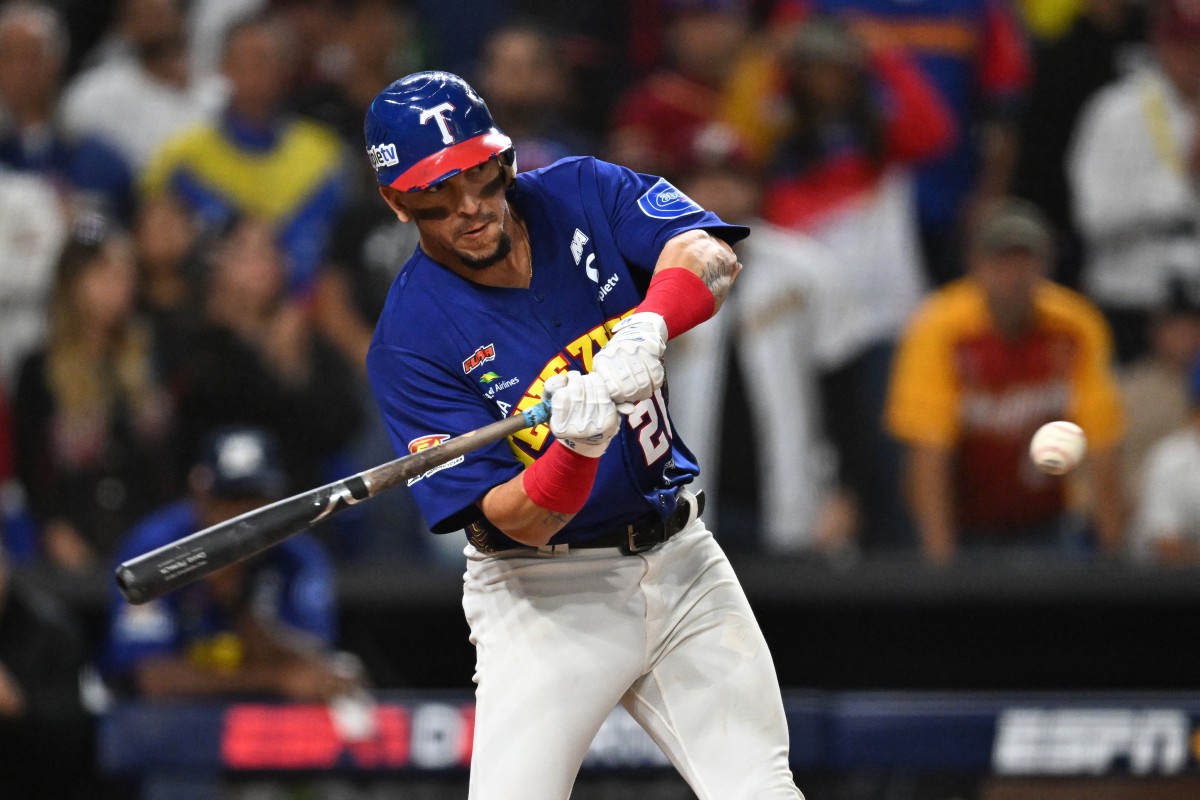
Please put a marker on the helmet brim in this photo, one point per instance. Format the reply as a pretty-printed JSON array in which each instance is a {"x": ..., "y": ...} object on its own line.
[{"x": 447, "y": 163}]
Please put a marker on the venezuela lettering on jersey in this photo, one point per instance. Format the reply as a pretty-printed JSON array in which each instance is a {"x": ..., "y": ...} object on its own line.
[{"x": 527, "y": 443}]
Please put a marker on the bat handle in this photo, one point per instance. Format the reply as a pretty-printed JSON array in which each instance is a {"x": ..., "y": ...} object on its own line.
[{"x": 537, "y": 415}]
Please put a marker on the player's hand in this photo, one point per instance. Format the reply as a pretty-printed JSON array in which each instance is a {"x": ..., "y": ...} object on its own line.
[
  {"x": 582, "y": 414},
  {"x": 631, "y": 363},
  {"x": 313, "y": 679}
]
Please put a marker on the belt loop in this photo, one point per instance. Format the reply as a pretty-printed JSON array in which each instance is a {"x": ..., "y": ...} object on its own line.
[{"x": 689, "y": 500}]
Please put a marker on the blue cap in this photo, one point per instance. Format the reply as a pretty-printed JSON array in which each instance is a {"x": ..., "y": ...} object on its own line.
[
  {"x": 240, "y": 461},
  {"x": 428, "y": 127}
]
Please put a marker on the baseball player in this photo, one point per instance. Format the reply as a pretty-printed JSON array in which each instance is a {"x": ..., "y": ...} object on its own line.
[{"x": 591, "y": 579}]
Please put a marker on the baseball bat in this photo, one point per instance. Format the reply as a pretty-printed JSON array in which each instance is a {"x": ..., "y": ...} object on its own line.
[{"x": 179, "y": 563}]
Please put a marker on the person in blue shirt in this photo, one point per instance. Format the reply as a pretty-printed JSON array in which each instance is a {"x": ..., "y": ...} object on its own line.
[
  {"x": 87, "y": 170},
  {"x": 591, "y": 579},
  {"x": 258, "y": 627}
]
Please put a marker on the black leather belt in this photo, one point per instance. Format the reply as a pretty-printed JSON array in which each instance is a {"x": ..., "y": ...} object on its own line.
[{"x": 642, "y": 534}]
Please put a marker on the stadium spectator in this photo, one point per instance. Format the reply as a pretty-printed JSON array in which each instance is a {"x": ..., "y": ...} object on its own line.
[
  {"x": 371, "y": 44},
  {"x": 255, "y": 359},
  {"x": 1102, "y": 44},
  {"x": 45, "y": 736},
  {"x": 33, "y": 48},
  {"x": 257, "y": 159},
  {"x": 986, "y": 361},
  {"x": 93, "y": 424},
  {"x": 596, "y": 44},
  {"x": 117, "y": 30},
  {"x": 169, "y": 248},
  {"x": 1156, "y": 388},
  {"x": 528, "y": 91},
  {"x": 258, "y": 627},
  {"x": 314, "y": 28},
  {"x": 841, "y": 178},
  {"x": 774, "y": 316},
  {"x": 974, "y": 54},
  {"x": 1167, "y": 523},
  {"x": 32, "y": 227},
  {"x": 208, "y": 25},
  {"x": 1133, "y": 169},
  {"x": 678, "y": 111},
  {"x": 136, "y": 103}
]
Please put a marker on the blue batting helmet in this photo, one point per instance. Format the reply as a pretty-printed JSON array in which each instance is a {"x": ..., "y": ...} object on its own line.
[{"x": 428, "y": 127}]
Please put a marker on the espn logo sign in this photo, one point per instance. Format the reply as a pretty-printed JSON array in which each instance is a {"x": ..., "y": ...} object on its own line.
[
  {"x": 480, "y": 356},
  {"x": 1091, "y": 741},
  {"x": 383, "y": 155}
]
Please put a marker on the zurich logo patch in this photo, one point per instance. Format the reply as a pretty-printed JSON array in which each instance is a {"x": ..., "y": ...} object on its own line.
[{"x": 664, "y": 201}]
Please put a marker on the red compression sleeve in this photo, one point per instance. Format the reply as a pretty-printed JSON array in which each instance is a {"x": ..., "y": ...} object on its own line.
[
  {"x": 680, "y": 298},
  {"x": 560, "y": 480}
]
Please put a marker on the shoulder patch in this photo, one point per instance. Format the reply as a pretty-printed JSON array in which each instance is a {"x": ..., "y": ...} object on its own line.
[{"x": 664, "y": 201}]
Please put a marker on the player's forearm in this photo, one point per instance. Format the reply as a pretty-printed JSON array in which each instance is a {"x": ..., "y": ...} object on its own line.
[
  {"x": 929, "y": 497},
  {"x": 274, "y": 642},
  {"x": 710, "y": 259},
  {"x": 160, "y": 678},
  {"x": 510, "y": 509}
]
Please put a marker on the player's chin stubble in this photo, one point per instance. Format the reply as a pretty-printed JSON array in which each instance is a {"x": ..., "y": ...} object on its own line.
[{"x": 503, "y": 248}]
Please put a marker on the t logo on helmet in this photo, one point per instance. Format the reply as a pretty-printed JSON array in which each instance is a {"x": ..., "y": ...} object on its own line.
[{"x": 436, "y": 113}]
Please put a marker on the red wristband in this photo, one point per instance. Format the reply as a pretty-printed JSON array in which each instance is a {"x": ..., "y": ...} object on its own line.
[
  {"x": 560, "y": 480},
  {"x": 680, "y": 298}
]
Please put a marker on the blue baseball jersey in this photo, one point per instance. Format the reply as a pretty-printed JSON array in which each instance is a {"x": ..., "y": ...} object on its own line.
[
  {"x": 450, "y": 355},
  {"x": 292, "y": 582}
]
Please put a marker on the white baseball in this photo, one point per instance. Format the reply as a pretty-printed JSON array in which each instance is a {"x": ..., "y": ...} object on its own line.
[{"x": 1058, "y": 447}]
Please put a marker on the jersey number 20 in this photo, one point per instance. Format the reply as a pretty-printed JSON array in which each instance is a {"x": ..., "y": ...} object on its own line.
[{"x": 649, "y": 421}]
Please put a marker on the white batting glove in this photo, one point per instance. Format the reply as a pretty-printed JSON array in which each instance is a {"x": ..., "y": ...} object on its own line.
[
  {"x": 582, "y": 415},
  {"x": 631, "y": 363}
]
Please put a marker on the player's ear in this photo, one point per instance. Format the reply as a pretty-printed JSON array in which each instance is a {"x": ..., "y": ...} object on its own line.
[{"x": 394, "y": 200}]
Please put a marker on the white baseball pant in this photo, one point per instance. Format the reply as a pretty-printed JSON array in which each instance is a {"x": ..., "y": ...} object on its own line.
[{"x": 561, "y": 639}]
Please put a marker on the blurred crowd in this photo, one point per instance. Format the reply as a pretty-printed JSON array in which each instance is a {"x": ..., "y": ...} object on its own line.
[{"x": 971, "y": 217}]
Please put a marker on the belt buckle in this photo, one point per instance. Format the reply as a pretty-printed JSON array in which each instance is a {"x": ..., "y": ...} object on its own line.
[{"x": 630, "y": 546}]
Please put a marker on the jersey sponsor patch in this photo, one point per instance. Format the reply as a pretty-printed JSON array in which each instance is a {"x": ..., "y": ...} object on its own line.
[
  {"x": 480, "y": 356},
  {"x": 425, "y": 442},
  {"x": 578, "y": 240},
  {"x": 608, "y": 286},
  {"x": 504, "y": 383},
  {"x": 664, "y": 201}
]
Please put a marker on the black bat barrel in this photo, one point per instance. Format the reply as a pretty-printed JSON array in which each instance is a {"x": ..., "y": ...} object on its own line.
[{"x": 154, "y": 574}]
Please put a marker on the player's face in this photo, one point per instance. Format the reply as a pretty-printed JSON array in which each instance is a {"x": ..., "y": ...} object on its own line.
[{"x": 463, "y": 219}]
